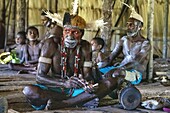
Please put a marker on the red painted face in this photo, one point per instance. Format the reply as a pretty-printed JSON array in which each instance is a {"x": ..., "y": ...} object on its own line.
[
  {"x": 71, "y": 36},
  {"x": 76, "y": 33}
]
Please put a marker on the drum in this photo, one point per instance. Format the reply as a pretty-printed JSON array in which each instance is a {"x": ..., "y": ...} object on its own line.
[{"x": 130, "y": 97}]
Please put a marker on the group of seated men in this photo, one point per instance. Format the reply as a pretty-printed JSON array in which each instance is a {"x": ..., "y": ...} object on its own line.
[{"x": 64, "y": 67}]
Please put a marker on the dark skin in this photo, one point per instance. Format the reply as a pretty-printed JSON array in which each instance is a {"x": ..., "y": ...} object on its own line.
[
  {"x": 58, "y": 100},
  {"x": 33, "y": 48},
  {"x": 18, "y": 46},
  {"x": 31, "y": 53},
  {"x": 2, "y": 34},
  {"x": 135, "y": 50}
]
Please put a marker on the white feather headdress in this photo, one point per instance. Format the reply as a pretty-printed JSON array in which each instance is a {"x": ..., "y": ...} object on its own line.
[
  {"x": 54, "y": 17},
  {"x": 96, "y": 24},
  {"x": 75, "y": 7},
  {"x": 74, "y": 18},
  {"x": 134, "y": 14}
]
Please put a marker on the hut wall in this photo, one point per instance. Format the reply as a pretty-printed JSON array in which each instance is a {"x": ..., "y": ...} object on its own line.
[{"x": 92, "y": 10}]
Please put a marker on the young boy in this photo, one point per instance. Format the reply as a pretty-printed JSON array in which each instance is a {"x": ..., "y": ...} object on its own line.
[
  {"x": 97, "y": 45},
  {"x": 31, "y": 52},
  {"x": 20, "y": 41},
  {"x": 33, "y": 48},
  {"x": 14, "y": 52}
]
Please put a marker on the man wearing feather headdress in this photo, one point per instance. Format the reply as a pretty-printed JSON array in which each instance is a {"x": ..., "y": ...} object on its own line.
[
  {"x": 135, "y": 49},
  {"x": 70, "y": 82},
  {"x": 53, "y": 29}
]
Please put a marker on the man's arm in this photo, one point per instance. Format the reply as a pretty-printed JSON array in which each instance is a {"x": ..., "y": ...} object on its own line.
[
  {"x": 45, "y": 63},
  {"x": 116, "y": 51},
  {"x": 87, "y": 65},
  {"x": 145, "y": 49}
]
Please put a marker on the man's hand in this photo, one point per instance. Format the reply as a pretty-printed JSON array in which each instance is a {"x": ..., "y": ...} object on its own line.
[
  {"x": 103, "y": 63},
  {"x": 91, "y": 88},
  {"x": 75, "y": 82},
  {"x": 109, "y": 74}
]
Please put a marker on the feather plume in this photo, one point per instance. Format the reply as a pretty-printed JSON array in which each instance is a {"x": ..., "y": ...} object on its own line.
[
  {"x": 54, "y": 17},
  {"x": 133, "y": 14},
  {"x": 130, "y": 7},
  {"x": 75, "y": 7},
  {"x": 67, "y": 18},
  {"x": 96, "y": 24}
]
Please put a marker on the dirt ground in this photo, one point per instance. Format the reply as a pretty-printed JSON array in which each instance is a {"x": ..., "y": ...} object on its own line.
[{"x": 11, "y": 85}]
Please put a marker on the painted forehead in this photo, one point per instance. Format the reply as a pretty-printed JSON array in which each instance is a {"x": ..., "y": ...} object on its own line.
[
  {"x": 132, "y": 20},
  {"x": 71, "y": 29}
]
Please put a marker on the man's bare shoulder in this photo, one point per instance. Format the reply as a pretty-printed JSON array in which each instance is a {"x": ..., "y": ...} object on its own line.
[
  {"x": 85, "y": 44},
  {"x": 49, "y": 46}
]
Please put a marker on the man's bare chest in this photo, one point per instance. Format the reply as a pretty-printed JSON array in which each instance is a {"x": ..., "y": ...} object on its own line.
[{"x": 131, "y": 47}]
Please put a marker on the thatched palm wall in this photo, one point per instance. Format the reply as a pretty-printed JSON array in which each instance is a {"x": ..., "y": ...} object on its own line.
[{"x": 92, "y": 10}]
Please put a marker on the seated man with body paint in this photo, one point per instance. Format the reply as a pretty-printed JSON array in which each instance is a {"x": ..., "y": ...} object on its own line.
[
  {"x": 64, "y": 75},
  {"x": 135, "y": 49}
]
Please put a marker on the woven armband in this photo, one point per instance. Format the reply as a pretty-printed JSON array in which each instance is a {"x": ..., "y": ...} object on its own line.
[
  {"x": 87, "y": 64},
  {"x": 45, "y": 60}
]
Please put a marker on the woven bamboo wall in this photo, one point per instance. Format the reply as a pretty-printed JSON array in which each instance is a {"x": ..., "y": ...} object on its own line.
[{"x": 91, "y": 10}]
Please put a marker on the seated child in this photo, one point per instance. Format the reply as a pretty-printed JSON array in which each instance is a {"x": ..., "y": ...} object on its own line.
[
  {"x": 97, "y": 45},
  {"x": 14, "y": 53},
  {"x": 31, "y": 52}
]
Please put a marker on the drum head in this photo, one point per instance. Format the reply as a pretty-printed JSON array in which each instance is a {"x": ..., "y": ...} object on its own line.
[{"x": 130, "y": 98}]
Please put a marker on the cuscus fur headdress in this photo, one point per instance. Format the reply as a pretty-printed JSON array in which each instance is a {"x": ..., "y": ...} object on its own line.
[
  {"x": 74, "y": 20},
  {"x": 134, "y": 14}
]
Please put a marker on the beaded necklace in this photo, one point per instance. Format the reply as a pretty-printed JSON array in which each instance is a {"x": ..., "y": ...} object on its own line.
[{"x": 64, "y": 56}]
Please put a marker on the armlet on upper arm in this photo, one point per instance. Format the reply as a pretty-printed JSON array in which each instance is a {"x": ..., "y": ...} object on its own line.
[
  {"x": 45, "y": 60},
  {"x": 87, "y": 64}
]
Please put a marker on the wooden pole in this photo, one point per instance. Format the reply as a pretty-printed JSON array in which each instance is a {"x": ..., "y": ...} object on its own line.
[
  {"x": 48, "y": 4},
  {"x": 150, "y": 35},
  {"x": 8, "y": 21},
  {"x": 26, "y": 15},
  {"x": 165, "y": 31},
  {"x": 107, "y": 17},
  {"x": 56, "y": 6},
  {"x": 21, "y": 12},
  {"x": 3, "y": 11},
  {"x": 13, "y": 19},
  {"x": 3, "y": 33}
]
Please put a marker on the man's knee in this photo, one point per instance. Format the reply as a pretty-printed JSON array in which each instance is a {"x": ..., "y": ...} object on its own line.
[
  {"x": 30, "y": 91},
  {"x": 110, "y": 83}
]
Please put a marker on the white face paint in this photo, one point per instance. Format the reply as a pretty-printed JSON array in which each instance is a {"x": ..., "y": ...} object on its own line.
[
  {"x": 33, "y": 39},
  {"x": 132, "y": 33},
  {"x": 93, "y": 48},
  {"x": 70, "y": 41},
  {"x": 133, "y": 29}
]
